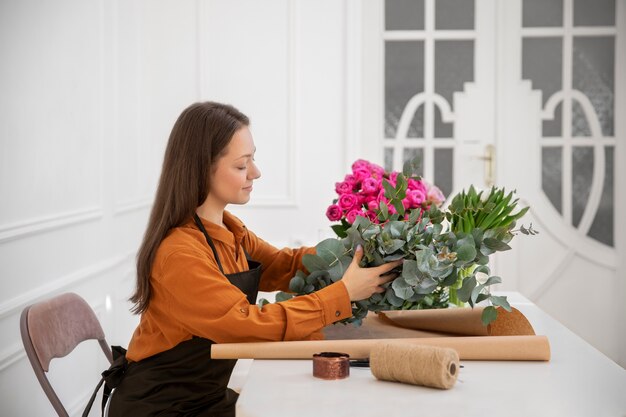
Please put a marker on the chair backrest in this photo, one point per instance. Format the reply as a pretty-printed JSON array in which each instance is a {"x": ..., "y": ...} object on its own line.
[{"x": 52, "y": 329}]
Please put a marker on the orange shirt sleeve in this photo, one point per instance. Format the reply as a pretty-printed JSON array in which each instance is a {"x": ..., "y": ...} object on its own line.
[
  {"x": 279, "y": 265},
  {"x": 200, "y": 299}
]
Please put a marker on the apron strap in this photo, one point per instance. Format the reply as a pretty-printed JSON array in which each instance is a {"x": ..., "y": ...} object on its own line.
[{"x": 208, "y": 240}]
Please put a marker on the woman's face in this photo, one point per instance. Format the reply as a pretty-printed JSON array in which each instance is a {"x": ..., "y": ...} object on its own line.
[{"x": 231, "y": 181}]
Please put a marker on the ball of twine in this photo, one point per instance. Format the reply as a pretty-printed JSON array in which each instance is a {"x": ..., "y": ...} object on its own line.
[{"x": 429, "y": 366}]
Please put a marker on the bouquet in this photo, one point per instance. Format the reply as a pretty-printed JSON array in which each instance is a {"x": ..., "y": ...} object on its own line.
[{"x": 396, "y": 215}]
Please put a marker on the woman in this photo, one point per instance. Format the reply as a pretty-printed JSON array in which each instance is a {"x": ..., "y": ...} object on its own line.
[{"x": 199, "y": 269}]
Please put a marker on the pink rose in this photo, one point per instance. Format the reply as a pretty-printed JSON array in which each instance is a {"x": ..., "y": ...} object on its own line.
[
  {"x": 416, "y": 185},
  {"x": 343, "y": 187},
  {"x": 351, "y": 216},
  {"x": 348, "y": 201},
  {"x": 351, "y": 179},
  {"x": 435, "y": 196},
  {"x": 334, "y": 212},
  {"x": 370, "y": 185},
  {"x": 416, "y": 197},
  {"x": 360, "y": 164},
  {"x": 372, "y": 205},
  {"x": 377, "y": 171},
  {"x": 361, "y": 174}
]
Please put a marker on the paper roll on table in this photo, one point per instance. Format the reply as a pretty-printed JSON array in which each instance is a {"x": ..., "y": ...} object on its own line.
[{"x": 504, "y": 348}]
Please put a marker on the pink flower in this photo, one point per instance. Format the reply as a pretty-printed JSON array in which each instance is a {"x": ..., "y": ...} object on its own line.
[
  {"x": 370, "y": 185},
  {"x": 334, "y": 212},
  {"x": 343, "y": 187},
  {"x": 377, "y": 171},
  {"x": 372, "y": 205},
  {"x": 348, "y": 201},
  {"x": 351, "y": 216},
  {"x": 361, "y": 164},
  {"x": 351, "y": 179},
  {"x": 361, "y": 174},
  {"x": 416, "y": 197},
  {"x": 416, "y": 185},
  {"x": 435, "y": 196}
]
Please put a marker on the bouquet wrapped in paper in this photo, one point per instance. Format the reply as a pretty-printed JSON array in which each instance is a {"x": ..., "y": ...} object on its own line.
[{"x": 397, "y": 215}]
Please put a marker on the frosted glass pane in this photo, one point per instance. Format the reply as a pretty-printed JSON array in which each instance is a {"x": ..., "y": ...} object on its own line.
[
  {"x": 554, "y": 127},
  {"x": 594, "y": 76},
  {"x": 411, "y": 153},
  {"x": 542, "y": 13},
  {"x": 551, "y": 171},
  {"x": 404, "y": 14},
  {"x": 454, "y": 14},
  {"x": 542, "y": 60},
  {"x": 404, "y": 77},
  {"x": 603, "y": 224},
  {"x": 454, "y": 65},
  {"x": 580, "y": 126},
  {"x": 594, "y": 12},
  {"x": 444, "y": 170},
  {"x": 442, "y": 130},
  {"x": 388, "y": 164},
  {"x": 582, "y": 170}
]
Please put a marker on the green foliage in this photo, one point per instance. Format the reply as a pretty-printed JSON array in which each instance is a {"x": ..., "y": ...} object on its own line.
[{"x": 443, "y": 264}]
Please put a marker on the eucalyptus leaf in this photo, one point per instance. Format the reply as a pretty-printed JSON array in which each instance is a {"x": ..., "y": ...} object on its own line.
[
  {"x": 493, "y": 280},
  {"x": 501, "y": 301},
  {"x": 296, "y": 284},
  {"x": 426, "y": 285},
  {"x": 466, "y": 253},
  {"x": 283, "y": 296},
  {"x": 330, "y": 250},
  {"x": 339, "y": 268},
  {"x": 392, "y": 298},
  {"x": 466, "y": 289},
  {"x": 495, "y": 244},
  {"x": 314, "y": 263},
  {"x": 410, "y": 272},
  {"x": 397, "y": 229},
  {"x": 489, "y": 314},
  {"x": 401, "y": 288}
]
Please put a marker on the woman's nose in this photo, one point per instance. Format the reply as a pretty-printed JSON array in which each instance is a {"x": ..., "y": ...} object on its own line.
[{"x": 254, "y": 172}]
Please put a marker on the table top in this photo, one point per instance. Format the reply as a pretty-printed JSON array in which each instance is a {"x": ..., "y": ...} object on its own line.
[{"x": 578, "y": 381}]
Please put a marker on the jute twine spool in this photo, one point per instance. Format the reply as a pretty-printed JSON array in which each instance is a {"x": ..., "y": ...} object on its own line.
[{"x": 430, "y": 366}]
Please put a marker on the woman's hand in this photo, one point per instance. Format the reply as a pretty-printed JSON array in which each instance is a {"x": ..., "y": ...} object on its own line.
[{"x": 361, "y": 283}]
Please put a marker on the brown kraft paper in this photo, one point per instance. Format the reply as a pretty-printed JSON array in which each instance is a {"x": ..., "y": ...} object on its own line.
[
  {"x": 462, "y": 321},
  {"x": 494, "y": 348}
]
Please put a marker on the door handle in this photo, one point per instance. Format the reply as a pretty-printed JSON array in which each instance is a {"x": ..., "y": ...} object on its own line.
[{"x": 489, "y": 157}]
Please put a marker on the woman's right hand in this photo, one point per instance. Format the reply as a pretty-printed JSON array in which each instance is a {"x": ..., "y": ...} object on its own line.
[{"x": 361, "y": 283}]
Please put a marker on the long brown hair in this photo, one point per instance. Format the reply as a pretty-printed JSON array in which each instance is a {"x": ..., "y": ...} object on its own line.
[{"x": 199, "y": 137}]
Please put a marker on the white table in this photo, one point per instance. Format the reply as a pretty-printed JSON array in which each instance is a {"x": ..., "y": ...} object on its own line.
[{"x": 578, "y": 381}]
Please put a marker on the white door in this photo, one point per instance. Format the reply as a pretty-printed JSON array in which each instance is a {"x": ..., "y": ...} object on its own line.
[{"x": 522, "y": 94}]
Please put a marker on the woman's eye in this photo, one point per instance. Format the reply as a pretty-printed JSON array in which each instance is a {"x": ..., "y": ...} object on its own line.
[{"x": 241, "y": 168}]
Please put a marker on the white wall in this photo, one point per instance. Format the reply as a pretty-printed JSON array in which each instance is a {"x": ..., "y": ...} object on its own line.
[{"x": 90, "y": 90}]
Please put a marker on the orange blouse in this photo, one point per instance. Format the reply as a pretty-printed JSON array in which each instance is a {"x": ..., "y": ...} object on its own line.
[{"x": 190, "y": 296}]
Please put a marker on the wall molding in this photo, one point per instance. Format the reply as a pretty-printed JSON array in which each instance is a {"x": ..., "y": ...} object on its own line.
[
  {"x": 46, "y": 223},
  {"x": 132, "y": 205},
  {"x": 11, "y": 356},
  {"x": 291, "y": 197},
  {"x": 17, "y": 304}
]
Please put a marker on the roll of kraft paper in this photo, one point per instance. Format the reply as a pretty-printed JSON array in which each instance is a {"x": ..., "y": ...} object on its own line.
[
  {"x": 503, "y": 348},
  {"x": 429, "y": 366}
]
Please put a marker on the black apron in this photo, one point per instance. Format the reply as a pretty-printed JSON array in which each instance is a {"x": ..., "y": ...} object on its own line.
[{"x": 184, "y": 381}]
